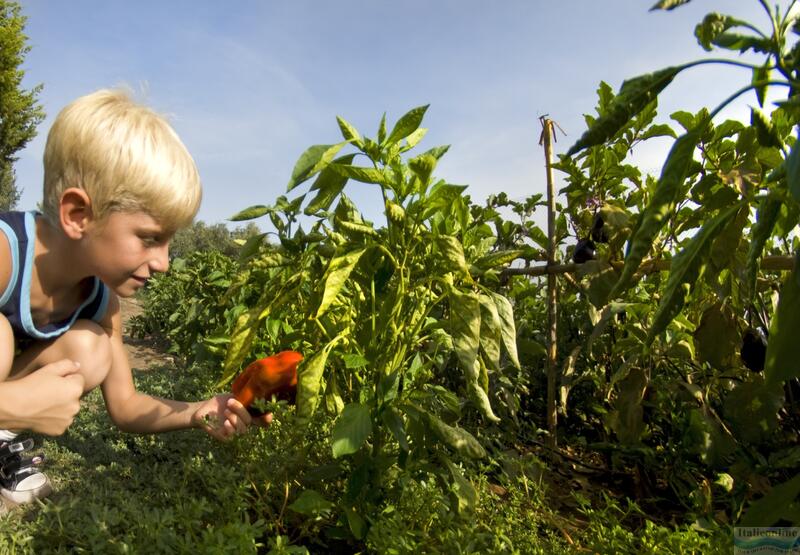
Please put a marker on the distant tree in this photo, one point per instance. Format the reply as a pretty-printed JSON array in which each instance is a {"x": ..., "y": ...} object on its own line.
[
  {"x": 202, "y": 237},
  {"x": 20, "y": 111}
]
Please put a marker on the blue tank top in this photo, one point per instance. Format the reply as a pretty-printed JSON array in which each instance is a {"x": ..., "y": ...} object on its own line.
[{"x": 15, "y": 302}]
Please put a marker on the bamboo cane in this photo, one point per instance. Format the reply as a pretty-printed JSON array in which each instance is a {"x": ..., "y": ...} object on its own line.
[{"x": 546, "y": 139}]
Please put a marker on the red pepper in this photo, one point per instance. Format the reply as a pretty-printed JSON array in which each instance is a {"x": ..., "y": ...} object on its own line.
[{"x": 274, "y": 375}]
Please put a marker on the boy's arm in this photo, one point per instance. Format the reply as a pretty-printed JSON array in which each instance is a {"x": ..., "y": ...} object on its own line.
[{"x": 137, "y": 412}]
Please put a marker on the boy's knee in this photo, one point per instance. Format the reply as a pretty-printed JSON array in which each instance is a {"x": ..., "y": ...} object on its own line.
[
  {"x": 89, "y": 345},
  {"x": 6, "y": 348}
]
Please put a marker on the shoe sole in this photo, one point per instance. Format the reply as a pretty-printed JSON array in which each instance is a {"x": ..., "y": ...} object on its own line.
[{"x": 29, "y": 489}]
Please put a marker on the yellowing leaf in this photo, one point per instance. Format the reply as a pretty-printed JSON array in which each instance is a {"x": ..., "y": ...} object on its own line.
[{"x": 336, "y": 275}]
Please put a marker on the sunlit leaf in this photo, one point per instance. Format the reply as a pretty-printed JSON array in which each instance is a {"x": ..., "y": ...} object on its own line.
[
  {"x": 309, "y": 379},
  {"x": 314, "y": 159},
  {"x": 407, "y": 124},
  {"x": 712, "y": 26},
  {"x": 508, "y": 330},
  {"x": 685, "y": 268},
  {"x": 452, "y": 254},
  {"x": 661, "y": 205},
  {"x": 491, "y": 328},
  {"x": 476, "y": 392},
  {"x": 465, "y": 326},
  {"x": 351, "y": 430},
  {"x": 251, "y": 213},
  {"x": 336, "y": 275},
  {"x": 330, "y": 183},
  {"x": 349, "y": 133},
  {"x": 633, "y": 96},
  {"x": 668, "y": 4}
]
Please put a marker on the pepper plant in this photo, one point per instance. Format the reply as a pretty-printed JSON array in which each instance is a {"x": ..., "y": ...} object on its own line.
[{"x": 399, "y": 322}]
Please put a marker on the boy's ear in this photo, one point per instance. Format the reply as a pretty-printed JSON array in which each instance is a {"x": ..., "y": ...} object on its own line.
[{"x": 75, "y": 212}]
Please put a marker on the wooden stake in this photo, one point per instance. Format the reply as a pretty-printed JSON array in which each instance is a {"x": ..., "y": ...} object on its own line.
[{"x": 546, "y": 139}]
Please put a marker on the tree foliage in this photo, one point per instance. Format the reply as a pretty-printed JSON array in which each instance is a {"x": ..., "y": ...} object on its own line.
[{"x": 20, "y": 111}]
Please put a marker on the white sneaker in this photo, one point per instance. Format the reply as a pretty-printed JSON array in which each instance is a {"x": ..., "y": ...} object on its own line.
[{"x": 20, "y": 480}]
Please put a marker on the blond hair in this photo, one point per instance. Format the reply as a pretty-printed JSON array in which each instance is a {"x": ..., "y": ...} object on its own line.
[{"x": 124, "y": 156}]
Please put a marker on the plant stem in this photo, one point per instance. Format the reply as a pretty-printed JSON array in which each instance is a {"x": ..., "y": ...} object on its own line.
[{"x": 552, "y": 282}]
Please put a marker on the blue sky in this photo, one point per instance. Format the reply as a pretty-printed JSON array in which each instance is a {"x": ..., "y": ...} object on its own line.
[{"x": 251, "y": 84}]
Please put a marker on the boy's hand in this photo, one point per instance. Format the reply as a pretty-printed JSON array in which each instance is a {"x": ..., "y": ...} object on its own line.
[
  {"x": 50, "y": 397},
  {"x": 223, "y": 416}
]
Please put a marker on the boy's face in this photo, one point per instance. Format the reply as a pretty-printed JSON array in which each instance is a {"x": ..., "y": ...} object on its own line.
[{"x": 125, "y": 249}]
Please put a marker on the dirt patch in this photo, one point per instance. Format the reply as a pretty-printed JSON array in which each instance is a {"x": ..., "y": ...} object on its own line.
[{"x": 142, "y": 353}]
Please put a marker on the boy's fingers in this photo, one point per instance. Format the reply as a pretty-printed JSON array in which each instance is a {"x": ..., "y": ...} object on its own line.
[
  {"x": 238, "y": 409},
  {"x": 64, "y": 367},
  {"x": 77, "y": 380},
  {"x": 264, "y": 420}
]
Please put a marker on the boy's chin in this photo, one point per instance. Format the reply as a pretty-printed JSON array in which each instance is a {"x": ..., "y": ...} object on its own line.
[{"x": 127, "y": 289}]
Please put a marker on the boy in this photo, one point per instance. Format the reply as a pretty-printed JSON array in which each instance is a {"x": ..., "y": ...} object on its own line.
[{"x": 118, "y": 183}]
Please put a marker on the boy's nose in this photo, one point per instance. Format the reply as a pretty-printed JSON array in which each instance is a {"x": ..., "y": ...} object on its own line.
[{"x": 160, "y": 260}]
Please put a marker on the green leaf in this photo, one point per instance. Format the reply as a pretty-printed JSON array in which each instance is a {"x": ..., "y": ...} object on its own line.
[
  {"x": 423, "y": 166},
  {"x": 633, "y": 96},
  {"x": 330, "y": 183},
  {"x": 685, "y": 269},
  {"x": 309, "y": 379},
  {"x": 464, "y": 491},
  {"x": 239, "y": 346},
  {"x": 713, "y": 25},
  {"x": 761, "y": 75},
  {"x": 608, "y": 312},
  {"x": 508, "y": 330},
  {"x": 382, "y": 129},
  {"x": 783, "y": 348},
  {"x": 717, "y": 337},
  {"x": 364, "y": 175},
  {"x": 354, "y": 361},
  {"x": 767, "y": 215},
  {"x": 251, "y": 213},
  {"x": 743, "y": 43},
  {"x": 452, "y": 253},
  {"x": 793, "y": 170},
  {"x": 349, "y": 133},
  {"x": 498, "y": 258},
  {"x": 457, "y": 439},
  {"x": 465, "y": 326},
  {"x": 251, "y": 246},
  {"x": 766, "y": 132},
  {"x": 314, "y": 159},
  {"x": 476, "y": 392},
  {"x": 626, "y": 419},
  {"x": 414, "y": 138},
  {"x": 491, "y": 328},
  {"x": 335, "y": 277},
  {"x": 668, "y": 4},
  {"x": 662, "y": 204},
  {"x": 442, "y": 197},
  {"x": 406, "y": 125},
  {"x": 770, "y": 508},
  {"x": 394, "y": 422},
  {"x": 311, "y": 503},
  {"x": 752, "y": 410},
  {"x": 351, "y": 430}
]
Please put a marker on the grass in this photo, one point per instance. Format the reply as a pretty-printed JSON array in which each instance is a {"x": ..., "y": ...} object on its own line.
[{"x": 182, "y": 492}]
